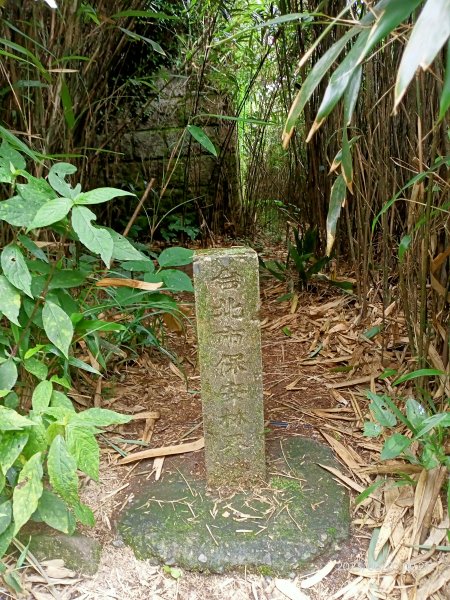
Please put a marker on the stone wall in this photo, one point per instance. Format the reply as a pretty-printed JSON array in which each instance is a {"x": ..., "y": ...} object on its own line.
[{"x": 153, "y": 142}]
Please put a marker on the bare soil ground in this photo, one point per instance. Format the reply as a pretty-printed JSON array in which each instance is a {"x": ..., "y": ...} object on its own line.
[{"x": 317, "y": 367}]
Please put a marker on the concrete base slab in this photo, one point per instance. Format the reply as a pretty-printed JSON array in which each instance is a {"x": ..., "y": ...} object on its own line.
[{"x": 279, "y": 527}]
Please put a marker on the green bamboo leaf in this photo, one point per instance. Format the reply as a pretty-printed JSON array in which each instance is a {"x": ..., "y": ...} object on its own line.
[
  {"x": 430, "y": 33},
  {"x": 136, "y": 36},
  {"x": 16, "y": 143},
  {"x": 440, "y": 419},
  {"x": 98, "y": 240},
  {"x": 445, "y": 96},
  {"x": 337, "y": 199},
  {"x": 339, "y": 81},
  {"x": 100, "y": 195},
  {"x": 51, "y": 212},
  {"x": 15, "y": 268},
  {"x": 27, "y": 491},
  {"x": 418, "y": 373},
  {"x": 314, "y": 78},
  {"x": 351, "y": 95},
  {"x": 201, "y": 137},
  {"x": 347, "y": 164},
  {"x": 388, "y": 16},
  {"x": 9, "y": 300},
  {"x": 57, "y": 326},
  {"x": 67, "y": 103},
  {"x": 149, "y": 14}
]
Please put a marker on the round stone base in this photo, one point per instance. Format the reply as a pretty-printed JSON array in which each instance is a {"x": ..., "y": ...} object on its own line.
[{"x": 279, "y": 527}]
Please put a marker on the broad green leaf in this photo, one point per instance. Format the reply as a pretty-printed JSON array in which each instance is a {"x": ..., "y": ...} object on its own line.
[
  {"x": 57, "y": 326},
  {"x": 96, "y": 239},
  {"x": 5, "y": 515},
  {"x": 19, "y": 212},
  {"x": 8, "y": 375},
  {"x": 62, "y": 471},
  {"x": 430, "y": 33},
  {"x": 15, "y": 268},
  {"x": 40, "y": 399},
  {"x": 83, "y": 446},
  {"x": 339, "y": 81},
  {"x": 100, "y": 195},
  {"x": 394, "y": 446},
  {"x": 36, "y": 188},
  {"x": 12, "y": 156},
  {"x": 6, "y": 539},
  {"x": 27, "y": 491},
  {"x": 372, "y": 429},
  {"x": 37, "y": 438},
  {"x": 53, "y": 511},
  {"x": 61, "y": 400},
  {"x": 382, "y": 414},
  {"x": 415, "y": 412},
  {"x": 392, "y": 13},
  {"x": 9, "y": 300},
  {"x": 123, "y": 250},
  {"x": 10, "y": 420},
  {"x": 175, "y": 257},
  {"x": 445, "y": 96},
  {"x": 57, "y": 179},
  {"x": 418, "y": 373},
  {"x": 98, "y": 417},
  {"x": 32, "y": 248},
  {"x": 201, "y": 137},
  {"x": 337, "y": 199},
  {"x": 142, "y": 266},
  {"x": 67, "y": 278},
  {"x": 51, "y": 212},
  {"x": 176, "y": 280},
  {"x": 11, "y": 445}
]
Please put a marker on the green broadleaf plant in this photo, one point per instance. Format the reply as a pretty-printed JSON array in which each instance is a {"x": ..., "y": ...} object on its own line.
[{"x": 43, "y": 445}]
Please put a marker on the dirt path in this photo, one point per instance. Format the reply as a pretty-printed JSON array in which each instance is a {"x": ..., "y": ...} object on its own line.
[{"x": 306, "y": 343}]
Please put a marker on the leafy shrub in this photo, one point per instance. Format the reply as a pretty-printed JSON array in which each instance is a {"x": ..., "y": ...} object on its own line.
[{"x": 48, "y": 304}]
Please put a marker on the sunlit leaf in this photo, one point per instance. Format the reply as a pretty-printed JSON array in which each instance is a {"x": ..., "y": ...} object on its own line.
[
  {"x": 337, "y": 199},
  {"x": 201, "y": 137},
  {"x": 9, "y": 300},
  {"x": 27, "y": 491},
  {"x": 15, "y": 268},
  {"x": 394, "y": 446},
  {"x": 97, "y": 239},
  {"x": 51, "y": 212},
  {"x": 430, "y": 33},
  {"x": 418, "y": 373},
  {"x": 57, "y": 326}
]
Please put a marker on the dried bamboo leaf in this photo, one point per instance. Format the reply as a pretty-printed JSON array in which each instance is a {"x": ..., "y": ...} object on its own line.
[{"x": 441, "y": 577}]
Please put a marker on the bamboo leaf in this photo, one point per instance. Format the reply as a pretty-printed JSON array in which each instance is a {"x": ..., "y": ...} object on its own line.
[
  {"x": 429, "y": 35},
  {"x": 347, "y": 165},
  {"x": 337, "y": 199},
  {"x": 389, "y": 15},
  {"x": 445, "y": 97},
  {"x": 66, "y": 101},
  {"x": 351, "y": 94},
  {"x": 339, "y": 82},
  {"x": 201, "y": 137},
  {"x": 418, "y": 373},
  {"x": 135, "y": 36},
  {"x": 149, "y": 14}
]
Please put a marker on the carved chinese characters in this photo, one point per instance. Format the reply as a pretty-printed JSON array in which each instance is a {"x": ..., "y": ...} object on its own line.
[{"x": 229, "y": 347}]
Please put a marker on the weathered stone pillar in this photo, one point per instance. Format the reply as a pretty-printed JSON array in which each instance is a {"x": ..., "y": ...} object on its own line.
[{"x": 229, "y": 347}]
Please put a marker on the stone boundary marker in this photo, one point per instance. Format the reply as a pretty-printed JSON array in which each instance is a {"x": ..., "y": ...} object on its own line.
[{"x": 229, "y": 350}]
